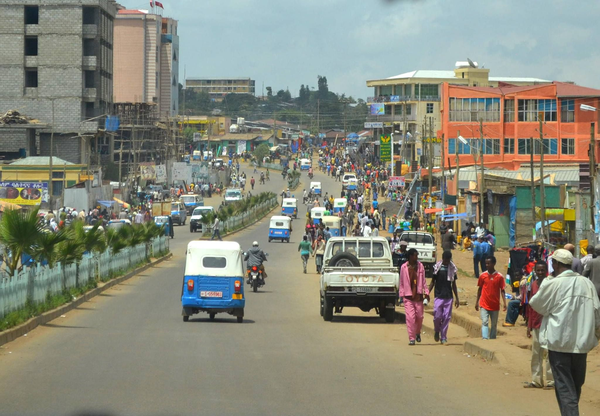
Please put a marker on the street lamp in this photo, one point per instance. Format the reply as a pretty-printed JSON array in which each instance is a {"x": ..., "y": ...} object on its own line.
[
  {"x": 392, "y": 141},
  {"x": 592, "y": 151}
]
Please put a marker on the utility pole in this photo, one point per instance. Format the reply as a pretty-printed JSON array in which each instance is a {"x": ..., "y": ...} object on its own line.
[
  {"x": 593, "y": 177},
  {"x": 430, "y": 155},
  {"x": 50, "y": 174},
  {"x": 443, "y": 180},
  {"x": 481, "y": 203},
  {"x": 457, "y": 176},
  {"x": 318, "y": 116},
  {"x": 533, "y": 216},
  {"x": 542, "y": 187}
]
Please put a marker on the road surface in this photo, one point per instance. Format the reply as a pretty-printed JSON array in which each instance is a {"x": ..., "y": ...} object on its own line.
[{"x": 128, "y": 352}]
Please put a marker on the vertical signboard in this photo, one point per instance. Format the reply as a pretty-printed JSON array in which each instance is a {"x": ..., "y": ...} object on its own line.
[{"x": 385, "y": 148}]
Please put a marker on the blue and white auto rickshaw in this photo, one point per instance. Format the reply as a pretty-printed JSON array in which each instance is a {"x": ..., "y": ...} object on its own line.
[
  {"x": 305, "y": 164},
  {"x": 352, "y": 184},
  {"x": 280, "y": 228},
  {"x": 165, "y": 222},
  {"x": 315, "y": 187},
  {"x": 334, "y": 224},
  {"x": 290, "y": 207},
  {"x": 214, "y": 279},
  {"x": 339, "y": 205},
  {"x": 317, "y": 214}
]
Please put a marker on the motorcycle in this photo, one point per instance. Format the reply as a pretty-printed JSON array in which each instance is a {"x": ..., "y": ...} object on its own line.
[{"x": 255, "y": 278}]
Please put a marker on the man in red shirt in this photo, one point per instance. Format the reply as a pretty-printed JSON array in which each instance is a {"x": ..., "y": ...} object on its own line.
[
  {"x": 491, "y": 290},
  {"x": 539, "y": 355}
]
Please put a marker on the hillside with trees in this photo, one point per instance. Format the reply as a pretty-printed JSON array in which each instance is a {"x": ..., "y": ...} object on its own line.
[{"x": 316, "y": 109}]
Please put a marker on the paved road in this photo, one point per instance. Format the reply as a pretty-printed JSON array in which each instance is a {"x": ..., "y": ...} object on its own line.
[{"x": 127, "y": 352}]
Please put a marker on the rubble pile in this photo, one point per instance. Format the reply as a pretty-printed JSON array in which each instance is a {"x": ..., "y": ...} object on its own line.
[{"x": 14, "y": 117}]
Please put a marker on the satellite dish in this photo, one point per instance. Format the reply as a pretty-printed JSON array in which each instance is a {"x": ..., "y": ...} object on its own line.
[
  {"x": 473, "y": 65},
  {"x": 462, "y": 140}
]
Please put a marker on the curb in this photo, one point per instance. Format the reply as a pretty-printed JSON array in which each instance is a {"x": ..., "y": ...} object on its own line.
[
  {"x": 470, "y": 324},
  {"x": 469, "y": 346},
  {"x": 26, "y": 327}
]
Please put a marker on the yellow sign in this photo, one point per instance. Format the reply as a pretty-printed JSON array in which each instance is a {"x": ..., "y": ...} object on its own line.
[{"x": 24, "y": 193}]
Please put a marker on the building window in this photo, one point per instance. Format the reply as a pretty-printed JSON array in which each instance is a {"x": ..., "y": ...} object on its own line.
[
  {"x": 509, "y": 146},
  {"x": 31, "y": 46},
  {"x": 509, "y": 112},
  {"x": 385, "y": 90},
  {"x": 90, "y": 80},
  {"x": 463, "y": 149},
  {"x": 388, "y": 110},
  {"x": 475, "y": 109},
  {"x": 550, "y": 146},
  {"x": 451, "y": 146},
  {"x": 567, "y": 111},
  {"x": 408, "y": 90},
  {"x": 32, "y": 15},
  {"x": 567, "y": 146},
  {"x": 491, "y": 146},
  {"x": 429, "y": 92},
  {"x": 31, "y": 77},
  {"x": 429, "y": 108},
  {"x": 89, "y": 15},
  {"x": 528, "y": 110},
  {"x": 89, "y": 47}
]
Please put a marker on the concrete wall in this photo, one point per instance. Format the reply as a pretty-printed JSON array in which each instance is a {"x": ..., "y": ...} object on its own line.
[{"x": 82, "y": 198}]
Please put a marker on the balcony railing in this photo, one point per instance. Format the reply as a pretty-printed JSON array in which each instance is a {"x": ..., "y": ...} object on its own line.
[
  {"x": 396, "y": 118},
  {"x": 401, "y": 98}
]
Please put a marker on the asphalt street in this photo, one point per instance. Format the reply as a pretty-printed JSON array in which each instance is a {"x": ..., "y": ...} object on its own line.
[{"x": 128, "y": 352}]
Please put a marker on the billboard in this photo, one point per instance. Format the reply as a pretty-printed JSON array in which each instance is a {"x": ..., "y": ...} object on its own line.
[
  {"x": 398, "y": 181},
  {"x": 373, "y": 124},
  {"x": 24, "y": 193},
  {"x": 161, "y": 173},
  {"x": 377, "y": 109},
  {"x": 147, "y": 171},
  {"x": 385, "y": 148}
]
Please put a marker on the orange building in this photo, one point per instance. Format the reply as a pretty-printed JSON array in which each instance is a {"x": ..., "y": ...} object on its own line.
[{"x": 510, "y": 117}]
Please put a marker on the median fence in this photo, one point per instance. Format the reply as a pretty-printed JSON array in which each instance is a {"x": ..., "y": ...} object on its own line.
[
  {"x": 255, "y": 213},
  {"x": 35, "y": 284}
]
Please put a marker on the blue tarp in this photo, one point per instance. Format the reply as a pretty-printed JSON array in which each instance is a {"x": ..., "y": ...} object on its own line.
[
  {"x": 463, "y": 215},
  {"x": 107, "y": 204},
  {"x": 352, "y": 136},
  {"x": 112, "y": 123}
]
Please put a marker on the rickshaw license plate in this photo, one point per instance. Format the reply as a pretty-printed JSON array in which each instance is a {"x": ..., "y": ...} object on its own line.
[{"x": 210, "y": 294}]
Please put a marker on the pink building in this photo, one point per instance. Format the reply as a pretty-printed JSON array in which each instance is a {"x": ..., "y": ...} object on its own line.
[{"x": 146, "y": 60}]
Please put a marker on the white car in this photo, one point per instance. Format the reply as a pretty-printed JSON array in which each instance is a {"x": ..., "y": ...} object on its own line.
[
  {"x": 195, "y": 219},
  {"x": 233, "y": 195},
  {"x": 347, "y": 178},
  {"x": 424, "y": 243}
]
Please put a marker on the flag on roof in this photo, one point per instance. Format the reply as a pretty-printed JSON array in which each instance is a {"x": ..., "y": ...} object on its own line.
[{"x": 159, "y": 4}]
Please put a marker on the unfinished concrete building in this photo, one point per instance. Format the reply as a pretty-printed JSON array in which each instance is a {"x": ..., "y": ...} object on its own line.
[{"x": 56, "y": 65}]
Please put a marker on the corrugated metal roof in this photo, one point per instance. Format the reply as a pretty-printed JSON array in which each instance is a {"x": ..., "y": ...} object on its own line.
[
  {"x": 562, "y": 176},
  {"x": 40, "y": 161},
  {"x": 444, "y": 74}
]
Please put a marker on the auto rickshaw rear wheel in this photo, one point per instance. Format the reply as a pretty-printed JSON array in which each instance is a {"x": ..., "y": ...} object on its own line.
[
  {"x": 186, "y": 318},
  {"x": 240, "y": 319},
  {"x": 211, "y": 316}
]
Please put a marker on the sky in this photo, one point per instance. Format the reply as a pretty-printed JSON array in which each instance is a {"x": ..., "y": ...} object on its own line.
[{"x": 286, "y": 43}]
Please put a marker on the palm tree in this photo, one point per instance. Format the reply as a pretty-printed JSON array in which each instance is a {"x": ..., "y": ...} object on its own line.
[
  {"x": 151, "y": 231},
  {"x": 207, "y": 219},
  {"x": 19, "y": 232},
  {"x": 45, "y": 247},
  {"x": 68, "y": 252},
  {"x": 115, "y": 240},
  {"x": 91, "y": 240}
]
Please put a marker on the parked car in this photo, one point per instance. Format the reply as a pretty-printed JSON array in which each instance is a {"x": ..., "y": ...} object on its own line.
[{"x": 424, "y": 243}]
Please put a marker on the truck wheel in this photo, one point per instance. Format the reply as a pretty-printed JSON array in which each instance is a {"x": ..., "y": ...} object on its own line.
[
  {"x": 344, "y": 259},
  {"x": 327, "y": 309},
  {"x": 321, "y": 306},
  {"x": 390, "y": 315},
  {"x": 191, "y": 229}
]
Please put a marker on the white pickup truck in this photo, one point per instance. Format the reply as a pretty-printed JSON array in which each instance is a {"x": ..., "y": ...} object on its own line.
[
  {"x": 424, "y": 243},
  {"x": 358, "y": 272}
]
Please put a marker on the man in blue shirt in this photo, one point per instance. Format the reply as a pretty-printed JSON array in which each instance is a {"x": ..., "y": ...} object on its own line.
[{"x": 477, "y": 257}]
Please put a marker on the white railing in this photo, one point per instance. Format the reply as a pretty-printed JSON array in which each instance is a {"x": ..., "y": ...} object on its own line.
[
  {"x": 34, "y": 284},
  {"x": 251, "y": 215}
]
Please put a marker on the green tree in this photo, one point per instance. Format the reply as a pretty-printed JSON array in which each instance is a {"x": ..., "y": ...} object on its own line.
[
  {"x": 19, "y": 233},
  {"x": 261, "y": 152},
  {"x": 46, "y": 246}
]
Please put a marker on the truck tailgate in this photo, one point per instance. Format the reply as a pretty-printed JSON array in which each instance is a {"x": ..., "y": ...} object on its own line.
[{"x": 359, "y": 280}]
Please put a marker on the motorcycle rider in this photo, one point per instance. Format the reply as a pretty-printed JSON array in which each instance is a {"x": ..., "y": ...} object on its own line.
[{"x": 255, "y": 257}]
